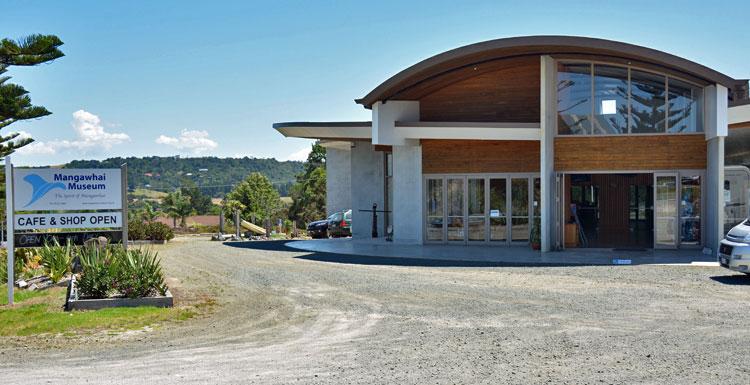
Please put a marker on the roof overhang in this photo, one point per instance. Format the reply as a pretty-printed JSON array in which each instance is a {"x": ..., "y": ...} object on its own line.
[
  {"x": 739, "y": 116},
  {"x": 475, "y": 54},
  {"x": 344, "y": 131}
]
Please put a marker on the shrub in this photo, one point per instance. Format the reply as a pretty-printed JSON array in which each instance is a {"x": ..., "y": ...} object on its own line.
[
  {"x": 139, "y": 274},
  {"x": 136, "y": 230},
  {"x": 19, "y": 261},
  {"x": 113, "y": 270},
  {"x": 98, "y": 270},
  {"x": 56, "y": 259},
  {"x": 157, "y": 231}
]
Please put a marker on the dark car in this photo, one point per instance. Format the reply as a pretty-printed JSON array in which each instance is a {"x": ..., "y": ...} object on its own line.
[
  {"x": 318, "y": 229},
  {"x": 340, "y": 224}
]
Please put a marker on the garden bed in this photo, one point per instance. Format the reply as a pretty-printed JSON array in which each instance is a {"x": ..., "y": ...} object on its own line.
[{"x": 76, "y": 302}]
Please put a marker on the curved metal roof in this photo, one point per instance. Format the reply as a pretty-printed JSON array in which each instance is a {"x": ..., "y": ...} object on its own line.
[{"x": 536, "y": 45}]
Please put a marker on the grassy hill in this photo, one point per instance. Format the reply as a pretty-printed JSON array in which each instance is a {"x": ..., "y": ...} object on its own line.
[{"x": 215, "y": 176}]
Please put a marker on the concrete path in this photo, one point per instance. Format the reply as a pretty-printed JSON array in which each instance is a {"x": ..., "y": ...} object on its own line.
[{"x": 498, "y": 255}]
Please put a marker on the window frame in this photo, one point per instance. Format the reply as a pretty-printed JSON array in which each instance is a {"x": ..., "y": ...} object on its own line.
[{"x": 667, "y": 77}]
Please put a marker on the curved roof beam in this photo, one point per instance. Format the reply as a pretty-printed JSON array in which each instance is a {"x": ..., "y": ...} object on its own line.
[{"x": 536, "y": 45}]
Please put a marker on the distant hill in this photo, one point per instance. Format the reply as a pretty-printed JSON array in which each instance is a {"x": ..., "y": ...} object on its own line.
[{"x": 215, "y": 176}]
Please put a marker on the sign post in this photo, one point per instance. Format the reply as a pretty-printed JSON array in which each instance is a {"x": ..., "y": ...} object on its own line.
[
  {"x": 9, "y": 221},
  {"x": 124, "y": 188},
  {"x": 57, "y": 198}
]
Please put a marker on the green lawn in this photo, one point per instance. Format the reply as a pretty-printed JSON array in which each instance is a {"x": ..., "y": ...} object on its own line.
[
  {"x": 40, "y": 312},
  {"x": 148, "y": 194}
]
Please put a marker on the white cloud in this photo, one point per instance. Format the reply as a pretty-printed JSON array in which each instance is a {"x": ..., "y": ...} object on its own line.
[
  {"x": 189, "y": 140},
  {"x": 300, "y": 155},
  {"x": 36, "y": 148},
  {"x": 90, "y": 135}
]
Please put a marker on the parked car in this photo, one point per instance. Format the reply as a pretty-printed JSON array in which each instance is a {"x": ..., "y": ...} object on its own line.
[
  {"x": 340, "y": 224},
  {"x": 318, "y": 229},
  {"x": 734, "y": 250}
]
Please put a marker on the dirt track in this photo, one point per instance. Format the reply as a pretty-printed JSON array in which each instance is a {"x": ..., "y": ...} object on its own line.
[{"x": 285, "y": 317}]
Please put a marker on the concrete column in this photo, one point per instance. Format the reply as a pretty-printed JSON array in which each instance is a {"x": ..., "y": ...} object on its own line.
[
  {"x": 384, "y": 118},
  {"x": 338, "y": 178},
  {"x": 548, "y": 125},
  {"x": 367, "y": 188},
  {"x": 407, "y": 194},
  {"x": 716, "y": 129}
]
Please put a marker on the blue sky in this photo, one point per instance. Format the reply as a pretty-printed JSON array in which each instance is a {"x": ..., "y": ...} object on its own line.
[{"x": 210, "y": 77}]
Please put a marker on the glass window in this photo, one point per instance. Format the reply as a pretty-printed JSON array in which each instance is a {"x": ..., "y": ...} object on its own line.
[
  {"x": 610, "y": 100},
  {"x": 574, "y": 98},
  {"x": 685, "y": 102},
  {"x": 600, "y": 99},
  {"x": 647, "y": 103}
]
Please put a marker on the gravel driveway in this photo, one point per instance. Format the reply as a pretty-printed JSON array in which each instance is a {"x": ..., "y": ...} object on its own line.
[{"x": 284, "y": 317}]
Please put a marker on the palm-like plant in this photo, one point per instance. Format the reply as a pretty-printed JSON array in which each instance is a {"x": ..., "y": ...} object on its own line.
[
  {"x": 57, "y": 259},
  {"x": 176, "y": 205}
]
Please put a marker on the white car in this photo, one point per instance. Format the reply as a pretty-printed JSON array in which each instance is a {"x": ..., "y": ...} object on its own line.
[{"x": 734, "y": 250}]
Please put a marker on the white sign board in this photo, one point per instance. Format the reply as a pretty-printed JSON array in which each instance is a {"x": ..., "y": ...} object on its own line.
[
  {"x": 40, "y": 189},
  {"x": 68, "y": 221}
]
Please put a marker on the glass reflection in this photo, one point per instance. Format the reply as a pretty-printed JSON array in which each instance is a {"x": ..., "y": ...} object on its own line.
[
  {"x": 476, "y": 209},
  {"x": 434, "y": 210},
  {"x": 690, "y": 209},
  {"x": 610, "y": 100},
  {"x": 498, "y": 215},
  {"x": 574, "y": 98},
  {"x": 455, "y": 220},
  {"x": 647, "y": 104},
  {"x": 685, "y": 114}
]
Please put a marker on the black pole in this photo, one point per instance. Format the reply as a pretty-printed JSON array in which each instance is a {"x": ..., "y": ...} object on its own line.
[{"x": 374, "y": 220}]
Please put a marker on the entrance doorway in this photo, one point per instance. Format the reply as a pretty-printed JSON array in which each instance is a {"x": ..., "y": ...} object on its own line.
[
  {"x": 610, "y": 210},
  {"x": 634, "y": 211},
  {"x": 481, "y": 208}
]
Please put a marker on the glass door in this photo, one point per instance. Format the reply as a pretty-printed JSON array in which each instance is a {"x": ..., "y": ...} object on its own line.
[
  {"x": 665, "y": 210},
  {"x": 519, "y": 198},
  {"x": 456, "y": 204},
  {"x": 435, "y": 226},
  {"x": 498, "y": 210},
  {"x": 690, "y": 209},
  {"x": 477, "y": 224}
]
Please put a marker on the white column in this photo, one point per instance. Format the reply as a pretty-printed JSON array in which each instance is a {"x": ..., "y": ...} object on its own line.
[
  {"x": 716, "y": 129},
  {"x": 407, "y": 194},
  {"x": 547, "y": 156},
  {"x": 338, "y": 178},
  {"x": 367, "y": 186},
  {"x": 384, "y": 118}
]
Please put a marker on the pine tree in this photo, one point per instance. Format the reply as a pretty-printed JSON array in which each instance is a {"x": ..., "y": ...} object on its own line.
[{"x": 15, "y": 103}]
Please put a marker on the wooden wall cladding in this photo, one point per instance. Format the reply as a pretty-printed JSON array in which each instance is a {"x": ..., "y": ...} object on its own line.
[
  {"x": 479, "y": 156},
  {"x": 632, "y": 152},
  {"x": 507, "y": 94}
]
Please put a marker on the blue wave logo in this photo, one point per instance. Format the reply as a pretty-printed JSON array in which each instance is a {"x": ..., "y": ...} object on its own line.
[{"x": 40, "y": 187}]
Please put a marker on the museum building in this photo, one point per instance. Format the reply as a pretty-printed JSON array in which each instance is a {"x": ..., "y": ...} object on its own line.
[{"x": 595, "y": 143}]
